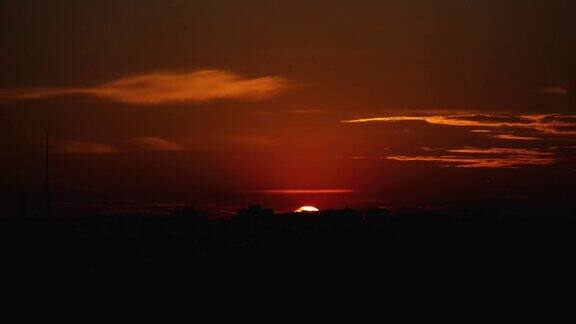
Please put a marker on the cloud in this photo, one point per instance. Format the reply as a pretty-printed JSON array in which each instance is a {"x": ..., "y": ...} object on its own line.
[
  {"x": 479, "y": 120},
  {"x": 306, "y": 191},
  {"x": 500, "y": 151},
  {"x": 496, "y": 163},
  {"x": 155, "y": 144},
  {"x": 311, "y": 111},
  {"x": 558, "y": 89},
  {"x": 552, "y": 124},
  {"x": 515, "y": 137},
  {"x": 484, "y": 119},
  {"x": 162, "y": 88},
  {"x": 562, "y": 119},
  {"x": 484, "y": 158},
  {"x": 552, "y": 129},
  {"x": 253, "y": 140},
  {"x": 80, "y": 147}
]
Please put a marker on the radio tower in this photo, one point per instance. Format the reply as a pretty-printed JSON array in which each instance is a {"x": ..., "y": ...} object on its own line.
[{"x": 47, "y": 197}]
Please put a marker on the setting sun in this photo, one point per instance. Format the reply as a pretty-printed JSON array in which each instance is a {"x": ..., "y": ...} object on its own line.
[
  {"x": 307, "y": 209},
  {"x": 193, "y": 139}
]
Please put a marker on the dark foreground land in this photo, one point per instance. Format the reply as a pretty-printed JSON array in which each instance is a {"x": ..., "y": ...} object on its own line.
[{"x": 257, "y": 240}]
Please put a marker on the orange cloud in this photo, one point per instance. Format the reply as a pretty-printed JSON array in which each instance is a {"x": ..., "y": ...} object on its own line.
[
  {"x": 155, "y": 144},
  {"x": 311, "y": 111},
  {"x": 501, "y": 163},
  {"x": 479, "y": 120},
  {"x": 161, "y": 88},
  {"x": 552, "y": 124},
  {"x": 558, "y": 89},
  {"x": 253, "y": 140},
  {"x": 307, "y": 191},
  {"x": 515, "y": 137},
  {"x": 500, "y": 151},
  {"x": 485, "y": 158},
  {"x": 79, "y": 147}
]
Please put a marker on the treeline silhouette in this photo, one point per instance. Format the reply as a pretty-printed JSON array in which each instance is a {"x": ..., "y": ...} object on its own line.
[{"x": 189, "y": 239}]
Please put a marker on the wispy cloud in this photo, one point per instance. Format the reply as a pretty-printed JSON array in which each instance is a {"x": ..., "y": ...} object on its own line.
[
  {"x": 145, "y": 143},
  {"x": 479, "y": 120},
  {"x": 309, "y": 111},
  {"x": 558, "y": 89},
  {"x": 515, "y": 137},
  {"x": 551, "y": 124},
  {"x": 161, "y": 88},
  {"x": 80, "y": 147},
  {"x": 483, "y": 157},
  {"x": 500, "y": 151},
  {"x": 496, "y": 163},
  {"x": 149, "y": 143},
  {"x": 306, "y": 191},
  {"x": 253, "y": 140}
]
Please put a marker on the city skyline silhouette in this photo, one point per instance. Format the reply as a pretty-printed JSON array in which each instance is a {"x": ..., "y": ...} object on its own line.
[{"x": 264, "y": 141}]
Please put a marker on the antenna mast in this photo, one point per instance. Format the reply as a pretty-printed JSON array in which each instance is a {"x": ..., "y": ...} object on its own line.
[{"x": 47, "y": 198}]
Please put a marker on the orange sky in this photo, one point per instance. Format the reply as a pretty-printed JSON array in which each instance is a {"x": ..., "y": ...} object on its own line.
[{"x": 326, "y": 103}]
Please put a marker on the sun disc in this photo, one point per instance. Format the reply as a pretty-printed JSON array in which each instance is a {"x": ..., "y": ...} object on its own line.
[{"x": 308, "y": 209}]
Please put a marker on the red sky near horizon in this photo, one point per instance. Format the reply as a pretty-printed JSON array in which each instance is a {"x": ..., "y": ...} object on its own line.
[{"x": 288, "y": 103}]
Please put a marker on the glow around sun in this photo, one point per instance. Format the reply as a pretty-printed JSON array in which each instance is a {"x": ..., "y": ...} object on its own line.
[{"x": 307, "y": 209}]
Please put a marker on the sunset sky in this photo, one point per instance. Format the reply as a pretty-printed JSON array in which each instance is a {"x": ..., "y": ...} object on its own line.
[{"x": 328, "y": 103}]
